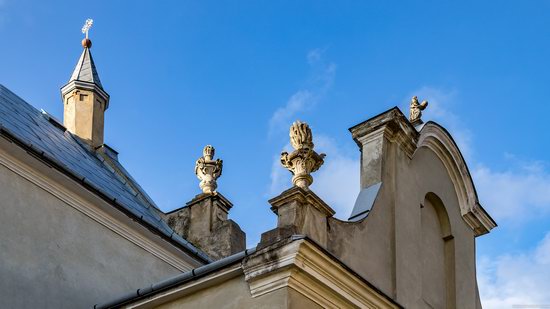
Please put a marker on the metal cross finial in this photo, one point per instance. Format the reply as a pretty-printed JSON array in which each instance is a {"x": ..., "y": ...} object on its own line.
[{"x": 87, "y": 26}]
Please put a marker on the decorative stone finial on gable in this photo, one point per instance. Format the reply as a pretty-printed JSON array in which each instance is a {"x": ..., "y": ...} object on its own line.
[
  {"x": 416, "y": 111},
  {"x": 303, "y": 160},
  {"x": 208, "y": 170}
]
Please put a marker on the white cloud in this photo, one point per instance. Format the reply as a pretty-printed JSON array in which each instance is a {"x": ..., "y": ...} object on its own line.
[
  {"x": 513, "y": 281},
  {"x": 515, "y": 195},
  {"x": 299, "y": 101},
  {"x": 320, "y": 81},
  {"x": 336, "y": 182}
]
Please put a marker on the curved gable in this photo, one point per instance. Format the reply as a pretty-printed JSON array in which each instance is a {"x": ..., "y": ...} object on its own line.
[{"x": 437, "y": 139}]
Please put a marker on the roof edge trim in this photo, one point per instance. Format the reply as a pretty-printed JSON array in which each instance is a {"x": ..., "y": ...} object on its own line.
[{"x": 438, "y": 139}]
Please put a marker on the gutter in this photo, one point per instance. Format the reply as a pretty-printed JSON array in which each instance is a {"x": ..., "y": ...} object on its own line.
[
  {"x": 191, "y": 275},
  {"x": 205, "y": 270}
]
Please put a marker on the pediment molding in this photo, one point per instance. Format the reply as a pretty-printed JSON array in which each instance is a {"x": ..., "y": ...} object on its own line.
[{"x": 438, "y": 140}]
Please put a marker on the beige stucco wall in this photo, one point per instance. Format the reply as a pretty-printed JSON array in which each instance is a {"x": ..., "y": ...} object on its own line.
[
  {"x": 390, "y": 247},
  {"x": 431, "y": 176},
  {"x": 53, "y": 256},
  {"x": 235, "y": 293}
]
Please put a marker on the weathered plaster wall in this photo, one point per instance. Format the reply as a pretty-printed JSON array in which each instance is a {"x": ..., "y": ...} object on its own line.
[
  {"x": 53, "y": 256},
  {"x": 204, "y": 223},
  {"x": 235, "y": 293}
]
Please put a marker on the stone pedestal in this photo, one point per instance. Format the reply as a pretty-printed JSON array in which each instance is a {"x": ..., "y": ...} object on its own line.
[
  {"x": 203, "y": 222},
  {"x": 299, "y": 212}
]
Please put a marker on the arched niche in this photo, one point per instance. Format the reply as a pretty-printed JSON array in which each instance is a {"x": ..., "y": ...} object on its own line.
[
  {"x": 438, "y": 140},
  {"x": 438, "y": 255}
]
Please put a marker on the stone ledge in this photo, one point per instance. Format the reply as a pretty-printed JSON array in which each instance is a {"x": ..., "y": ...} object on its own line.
[
  {"x": 303, "y": 197},
  {"x": 301, "y": 265}
]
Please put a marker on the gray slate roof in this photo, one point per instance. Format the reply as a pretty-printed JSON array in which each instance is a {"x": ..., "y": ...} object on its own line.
[
  {"x": 85, "y": 69},
  {"x": 36, "y": 131}
]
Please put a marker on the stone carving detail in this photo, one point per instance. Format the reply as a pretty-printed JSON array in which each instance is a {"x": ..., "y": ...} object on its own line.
[
  {"x": 208, "y": 170},
  {"x": 416, "y": 110},
  {"x": 303, "y": 160}
]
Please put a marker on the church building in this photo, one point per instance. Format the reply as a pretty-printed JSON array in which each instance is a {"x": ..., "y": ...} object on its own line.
[{"x": 77, "y": 231}]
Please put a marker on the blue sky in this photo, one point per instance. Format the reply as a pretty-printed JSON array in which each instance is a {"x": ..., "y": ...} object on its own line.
[{"x": 183, "y": 74}]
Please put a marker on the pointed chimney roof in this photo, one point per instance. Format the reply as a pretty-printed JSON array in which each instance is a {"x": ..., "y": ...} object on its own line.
[{"x": 85, "y": 69}]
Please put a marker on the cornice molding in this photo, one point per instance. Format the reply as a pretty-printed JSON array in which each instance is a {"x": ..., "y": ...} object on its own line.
[
  {"x": 303, "y": 197},
  {"x": 392, "y": 125},
  {"x": 308, "y": 270},
  {"x": 92, "y": 211},
  {"x": 188, "y": 288},
  {"x": 76, "y": 84}
]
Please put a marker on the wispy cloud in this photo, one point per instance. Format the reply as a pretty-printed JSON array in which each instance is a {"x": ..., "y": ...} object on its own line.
[
  {"x": 321, "y": 78},
  {"x": 516, "y": 279},
  {"x": 298, "y": 102},
  {"x": 337, "y": 182}
]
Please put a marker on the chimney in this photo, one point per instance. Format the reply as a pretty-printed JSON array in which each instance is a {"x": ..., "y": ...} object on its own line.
[{"x": 84, "y": 99}]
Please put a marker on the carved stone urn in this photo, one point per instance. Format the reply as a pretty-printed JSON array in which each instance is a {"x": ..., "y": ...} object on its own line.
[
  {"x": 303, "y": 160},
  {"x": 208, "y": 170}
]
